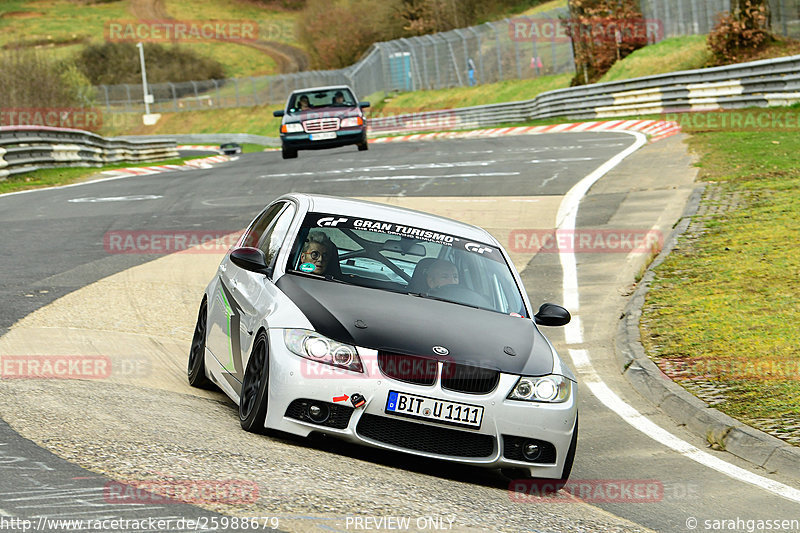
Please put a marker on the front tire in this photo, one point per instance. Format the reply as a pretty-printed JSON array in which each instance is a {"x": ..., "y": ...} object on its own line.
[
  {"x": 288, "y": 153},
  {"x": 363, "y": 146},
  {"x": 197, "y": 353},
  {"x": 255, "y": 386}
]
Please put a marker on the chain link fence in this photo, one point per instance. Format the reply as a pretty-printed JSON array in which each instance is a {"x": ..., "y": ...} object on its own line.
[
  {"x": 697, "y": 17},
  {"x": 511, "y": 49},
  {"x": 488, "y": 53}
]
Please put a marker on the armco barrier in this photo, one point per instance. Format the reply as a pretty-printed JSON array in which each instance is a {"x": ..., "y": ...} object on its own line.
[
  {"x": 212, "y": 138},
  {"x": 756, "y": 84},
  {"x": 28, "y": 148}
]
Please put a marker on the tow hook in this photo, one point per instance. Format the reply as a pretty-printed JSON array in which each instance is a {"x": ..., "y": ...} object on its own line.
[{"x": 357, "y": 400}]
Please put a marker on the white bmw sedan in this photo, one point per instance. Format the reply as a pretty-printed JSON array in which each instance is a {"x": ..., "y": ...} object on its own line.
[{"x": 390, "y": 328}]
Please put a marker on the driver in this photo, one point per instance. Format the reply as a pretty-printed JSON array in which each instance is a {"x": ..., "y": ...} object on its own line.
[
  {"x": 318, "y": 250},
  {"x": 338, "y": 98},
  {"x": 304, "y": 103},
  {"x": 441, "y": 273}
]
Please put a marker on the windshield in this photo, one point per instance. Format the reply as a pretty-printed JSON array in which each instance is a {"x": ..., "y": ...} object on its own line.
[
  {"x": 307, "y": 100},
  {"x": 411, "y": 260}
]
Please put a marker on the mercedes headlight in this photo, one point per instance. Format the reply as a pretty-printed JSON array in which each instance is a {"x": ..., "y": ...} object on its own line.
[
  {"x": 316, "y": 347},
  {"x": 292, "y": 127},
  {"x": 548, "y": 389},
  {"x": 351, "y": 122}
]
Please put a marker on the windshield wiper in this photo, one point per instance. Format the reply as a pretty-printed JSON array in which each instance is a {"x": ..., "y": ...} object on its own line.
[
  {"x": 326, "y": 277},
  {"x": 431, "y": 297}
]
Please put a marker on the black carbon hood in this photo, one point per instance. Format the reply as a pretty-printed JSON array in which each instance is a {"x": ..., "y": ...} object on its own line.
[{"x": 405, "y": 324}]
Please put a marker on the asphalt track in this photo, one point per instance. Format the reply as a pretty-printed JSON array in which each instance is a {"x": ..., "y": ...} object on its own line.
[{"x": 67, "y": 294}]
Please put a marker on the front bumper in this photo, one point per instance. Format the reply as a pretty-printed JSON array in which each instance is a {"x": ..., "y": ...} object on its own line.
[
  {"x": 344, "y": 137},
  {"x": 294, "y": 381}
]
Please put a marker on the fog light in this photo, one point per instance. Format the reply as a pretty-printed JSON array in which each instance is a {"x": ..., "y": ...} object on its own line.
[
  {"x": 318, "y": 413},
  {"x": 531, "y": 451}
]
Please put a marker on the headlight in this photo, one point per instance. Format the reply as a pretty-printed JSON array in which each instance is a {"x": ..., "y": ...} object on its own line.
[
  {"x": 549, "y": 389},
  {"x": 293, "y": 127},
  {"x": 314, "y": 346},
  {"x": 351, "y": 122}
]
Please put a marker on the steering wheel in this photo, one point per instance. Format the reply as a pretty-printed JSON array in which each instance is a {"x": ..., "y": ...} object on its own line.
[{"x": 460, "y": 294}]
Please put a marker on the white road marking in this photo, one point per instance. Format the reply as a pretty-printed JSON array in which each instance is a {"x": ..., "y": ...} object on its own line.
[
  {"x": 421, "y": 176},
  {"x": 134, "y": 198},
  {"x": 548, "y": 180},
  {"x": 383, "y": 168},
  {"x": 565, "y": 220},
  {"x": 565, "y": 160},
  {"x": 3, "y": 513}
]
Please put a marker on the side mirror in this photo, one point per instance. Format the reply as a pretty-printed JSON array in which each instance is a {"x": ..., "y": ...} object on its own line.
[
  {"x": 278, "y": 113},
  {"x": 362, "y": 105},
  {"x": 251, "y": 259},
  {"x": 551, "y": 315}
]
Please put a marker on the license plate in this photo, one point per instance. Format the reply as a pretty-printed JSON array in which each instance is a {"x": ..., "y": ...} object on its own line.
[
  {"x": 323, "y": 136},
  {"x": 442, "y": 411}
]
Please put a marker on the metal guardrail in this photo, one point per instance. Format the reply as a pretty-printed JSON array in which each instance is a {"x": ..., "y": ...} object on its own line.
[
  {"x": 28, "y": 148},
  {"x": 771, "y": 82},
  {"x": 211, "y": 138}
]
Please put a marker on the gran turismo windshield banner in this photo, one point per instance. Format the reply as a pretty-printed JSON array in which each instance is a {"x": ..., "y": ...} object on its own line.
[{"x": 323, "y": 220}]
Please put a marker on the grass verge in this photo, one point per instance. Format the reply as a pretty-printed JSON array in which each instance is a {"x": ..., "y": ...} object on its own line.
[
  {"x": 53, "y": 177},
  {"x": 670, "y": 55},
  {"x": 67, "y": 26},
  {"x": 723, "y": 316}
]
